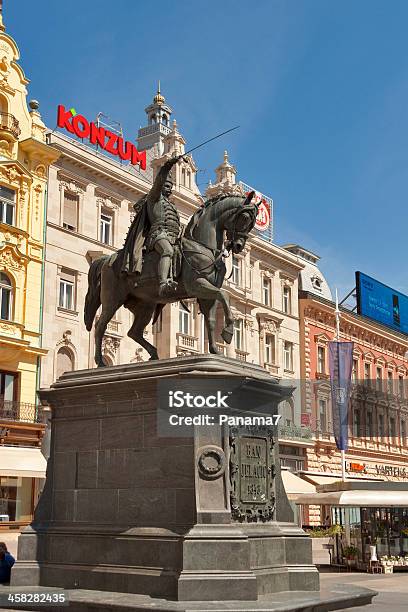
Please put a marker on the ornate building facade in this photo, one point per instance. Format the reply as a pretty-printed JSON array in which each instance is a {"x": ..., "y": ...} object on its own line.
[
  {"x": 378, "y": 417},
  {"x": 24, "y": 161}
]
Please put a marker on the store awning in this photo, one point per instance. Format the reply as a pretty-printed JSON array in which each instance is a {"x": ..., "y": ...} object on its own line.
[
  {"x": 316, "y": 479},
  {"x": 25, "y": 462},
  {"x": 356, "y": 497},
  {"x": 294, "y": 485}
]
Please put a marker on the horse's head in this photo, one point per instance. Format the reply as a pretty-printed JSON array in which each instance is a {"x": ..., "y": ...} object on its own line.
[{"x": 240, "y": 224}]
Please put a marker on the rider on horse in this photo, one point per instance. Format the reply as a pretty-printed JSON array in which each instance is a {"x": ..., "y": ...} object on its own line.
[{"x": 156, "y": 227}]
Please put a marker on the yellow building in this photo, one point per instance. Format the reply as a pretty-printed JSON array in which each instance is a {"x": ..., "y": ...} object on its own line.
[{"x": 24, "y": 161}]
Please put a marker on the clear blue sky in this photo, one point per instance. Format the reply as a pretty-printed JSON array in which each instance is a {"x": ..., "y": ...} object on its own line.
[{"x": 320, "y": 89}]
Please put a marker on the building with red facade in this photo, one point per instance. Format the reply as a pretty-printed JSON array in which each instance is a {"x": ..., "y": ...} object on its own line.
[{"x": 378, "y": 415}]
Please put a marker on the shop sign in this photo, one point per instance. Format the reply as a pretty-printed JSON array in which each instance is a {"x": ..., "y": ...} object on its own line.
[
  {"x": 391, "y": 470},
  {"x": 360, "y": 468},
  {"x": 108, "y": 141},
  {"x": 263, "y": 224},
  {"x": 263, "y": 218}
]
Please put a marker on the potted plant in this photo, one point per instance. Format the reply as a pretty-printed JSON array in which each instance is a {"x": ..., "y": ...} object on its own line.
[
  {"x": 335, "y": 530},
  {"x": 351, "y": 554}
]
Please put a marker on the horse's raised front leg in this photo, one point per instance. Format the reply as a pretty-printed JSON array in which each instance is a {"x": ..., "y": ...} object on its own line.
[
  {"x": 209, "y": 311},
  {"x": 203, "y": 289},
  {"x": 143, "y": 313}
]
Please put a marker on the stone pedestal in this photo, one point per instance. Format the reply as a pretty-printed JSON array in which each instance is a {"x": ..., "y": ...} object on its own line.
[{"x": 125, "y": 510}]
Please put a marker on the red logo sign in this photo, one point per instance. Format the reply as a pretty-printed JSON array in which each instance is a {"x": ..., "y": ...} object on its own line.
[
  {"x": 263, "y": 217},
  {"x": 110, "y": 142},
  {"x": 357, "y": 467}
]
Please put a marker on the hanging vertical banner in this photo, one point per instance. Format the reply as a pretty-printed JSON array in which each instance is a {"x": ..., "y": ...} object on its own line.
[{"x": 340, "y": 367}]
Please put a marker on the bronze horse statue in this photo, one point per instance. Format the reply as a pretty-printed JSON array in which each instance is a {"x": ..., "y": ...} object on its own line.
[{"x": 220, "y": 226}]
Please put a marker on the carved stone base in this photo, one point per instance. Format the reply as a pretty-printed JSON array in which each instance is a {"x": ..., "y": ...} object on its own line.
[{"x": 124, "y": 510}]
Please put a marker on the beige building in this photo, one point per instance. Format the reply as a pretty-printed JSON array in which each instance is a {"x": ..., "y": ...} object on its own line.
[
  {"x": 24, "y": 161},
  {"x": 90, "y": 200}
]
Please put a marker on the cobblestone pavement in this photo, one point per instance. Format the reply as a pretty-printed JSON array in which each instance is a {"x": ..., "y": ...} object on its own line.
[{"x": 392, "y": 589}]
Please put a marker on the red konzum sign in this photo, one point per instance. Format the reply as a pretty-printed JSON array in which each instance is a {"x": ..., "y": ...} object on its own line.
[{"x": 110, "y": 142}]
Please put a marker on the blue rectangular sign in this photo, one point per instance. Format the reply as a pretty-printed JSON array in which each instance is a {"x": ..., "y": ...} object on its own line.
[{"x": 381, "y": 303}]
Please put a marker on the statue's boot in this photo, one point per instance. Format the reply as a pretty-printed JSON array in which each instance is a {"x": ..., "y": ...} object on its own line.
[{"x": 167, "y": 286}]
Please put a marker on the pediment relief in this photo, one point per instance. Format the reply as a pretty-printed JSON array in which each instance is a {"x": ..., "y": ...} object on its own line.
[
  {"x": 321, "y": 339},
  {"x": 107, "y": 202},
  {"x": 368, "y": 356},
  {"x": 70, "y": 183},
  {"x": 15, "y": 174},
  {"x": 266, "y": 319},
  {"x": 11, "y": 258}
]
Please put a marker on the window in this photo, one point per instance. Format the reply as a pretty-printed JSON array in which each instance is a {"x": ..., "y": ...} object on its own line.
[
  {"x": 392, "y": 428},
  {"x": 354, "y": 373},
  {"x": 70, "y": 213},
  {"x": 184, "y": 320},
  {"x": 321, "y": 359},
  {"x": 323, "y": 415},
  {"x": 269, "y": 348},
  {"x": 157, "y": 327},
  {"x": 403, "y": 433},
  {"x": 381, "y": 426},
  {"x": 356, "y": 423},
  {"x": 401, "y": 385},
  {"x": 288, "y": 356},
  {"x": 65, "y": 361},
  {"x": 367, "y": 373},
  {"x": 106, "y": 228},
  {"x": 378, "y": 381},
  {"x": 287, "y": 412},
  {"x": 369, "y": 424},
  {"x": 6, "y": 294},
  {"x": 236, "y": 270},
  {"x": 183, "y": 176},
  {"x": 7, "y": 205},
  {"x": 67, "y": 291},
  {"x": 238, "y": 336},
  {"x": 287, "y": 306},
  {"x": 266, "y": 290},
  {"x": 189, "y": 179},
  {"x": 8, "y": 390},
  {"x": 390, "y": 382}
]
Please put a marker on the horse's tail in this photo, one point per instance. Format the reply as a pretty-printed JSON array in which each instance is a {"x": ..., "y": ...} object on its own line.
[{"x": 93, "y": 296}]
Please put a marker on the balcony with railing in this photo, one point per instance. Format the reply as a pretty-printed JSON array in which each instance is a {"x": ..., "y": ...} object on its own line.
[
  {"x": 9, "y": 126},
  {"x": 113, "y": 327},
  {"x": 21, "y": 424},
  {"x": 186, "y": 344},
  {"x": 20, "y": 411}
]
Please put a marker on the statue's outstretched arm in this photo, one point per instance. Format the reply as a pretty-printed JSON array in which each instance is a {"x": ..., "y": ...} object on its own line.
[{"x": 160, "y": 179}]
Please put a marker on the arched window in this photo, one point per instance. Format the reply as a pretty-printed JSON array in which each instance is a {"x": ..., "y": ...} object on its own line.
[
  {"x": 65, "y": 361},
  {"x": 153, "y": 118},
  {"x": 6, "y": 297},
  {"x": 189, "y": 179},
  {"x": 165, "y": 120},
  {"x": 287, "y": 409},
  {"x": 3, "y": 104},
  {"x": 183, "y": 177}
]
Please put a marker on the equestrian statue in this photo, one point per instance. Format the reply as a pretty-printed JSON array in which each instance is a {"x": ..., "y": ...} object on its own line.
[{"x": 160, "y": 264}]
